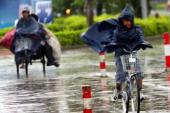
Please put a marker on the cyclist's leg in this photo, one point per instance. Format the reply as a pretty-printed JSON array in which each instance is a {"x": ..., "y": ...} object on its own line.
[
  {"x": 120, "y": 77},
  {"x": 140, "y": 75},
  {"x": 120, "y": 74},
  {"x": 140, "y": 83}
]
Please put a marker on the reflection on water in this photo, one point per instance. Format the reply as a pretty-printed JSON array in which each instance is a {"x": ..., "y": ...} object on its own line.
[{"x": 60, "y": 90}]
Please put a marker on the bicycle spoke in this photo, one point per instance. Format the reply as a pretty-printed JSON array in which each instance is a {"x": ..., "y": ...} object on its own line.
[
  {"x": 135, "y": 98},
  {"x": 125, "y": 102}
]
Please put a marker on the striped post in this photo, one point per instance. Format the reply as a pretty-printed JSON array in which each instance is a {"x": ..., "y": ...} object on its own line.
[
  {"x": 87, "y": 95},
  {"x": 166, "y": 39},
  {"x": 102, "y": 64}
]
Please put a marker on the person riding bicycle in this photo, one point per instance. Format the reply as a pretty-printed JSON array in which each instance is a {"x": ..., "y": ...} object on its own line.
[
  {"x": 27, "y": 22},
  {"x": 101, "y": 36},
  {"x": 130, "y": 35}
]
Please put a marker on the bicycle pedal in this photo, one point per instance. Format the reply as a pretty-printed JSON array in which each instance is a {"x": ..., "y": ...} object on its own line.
[
  {"x": 142, "y": 99},
  {"x": 113, "y": 99}
]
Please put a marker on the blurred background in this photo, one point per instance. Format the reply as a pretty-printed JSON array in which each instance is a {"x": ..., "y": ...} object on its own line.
[
  {"x": 60, "y": 90},
  {"x": 68, "y": 19}
]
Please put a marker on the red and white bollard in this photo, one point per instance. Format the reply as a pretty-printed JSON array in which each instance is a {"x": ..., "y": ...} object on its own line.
[
  {"x": 87, "y": 101},
  {"x": 102, "y": 64},
  {"x": 166, "y": 38}
]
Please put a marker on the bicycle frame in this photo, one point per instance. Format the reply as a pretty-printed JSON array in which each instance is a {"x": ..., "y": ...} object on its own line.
[{"x": 129, "y": 63}]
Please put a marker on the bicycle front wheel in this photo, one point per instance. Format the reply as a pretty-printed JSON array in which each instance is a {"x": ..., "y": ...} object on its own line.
[
  {"x": 125, "y": 101},
  {"x": 135, "y": 96}
]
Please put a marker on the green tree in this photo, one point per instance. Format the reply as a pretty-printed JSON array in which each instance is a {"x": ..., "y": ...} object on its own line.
[
  {"x": 60, "y": 6},
  {"x": 115, "y": 6},
  {"x": 136, "y": 4},
  {"x": 108, "y": 6},
  {"x": 99, "y": 7},
  {"x": 78, "y": 6}
]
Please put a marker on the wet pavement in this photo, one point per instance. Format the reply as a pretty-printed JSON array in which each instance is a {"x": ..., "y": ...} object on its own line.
[{"x": 60, "y": 90}]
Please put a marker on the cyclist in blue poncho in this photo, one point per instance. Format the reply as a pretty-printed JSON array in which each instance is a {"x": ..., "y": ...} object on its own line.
[
  {"x": 28, "y": 25},
  {"x": 103, "y": 35}
]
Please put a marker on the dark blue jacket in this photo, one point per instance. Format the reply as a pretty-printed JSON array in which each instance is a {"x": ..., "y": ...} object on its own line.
[
  {"x": 128, "y": 37},
  {"x": 112, "y": 31}
]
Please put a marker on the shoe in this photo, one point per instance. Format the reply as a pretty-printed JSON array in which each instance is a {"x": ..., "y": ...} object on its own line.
[
  {"x": 116, "y": 95},
  {"x": 56, "y": 64},
  {"x": 22, "y": 66},
  {"x": 53, "y": 64},
  {"x": 142, "y": 97}
]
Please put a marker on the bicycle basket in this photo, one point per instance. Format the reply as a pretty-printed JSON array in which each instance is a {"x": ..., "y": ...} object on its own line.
[{"x": 131, "y": 63}]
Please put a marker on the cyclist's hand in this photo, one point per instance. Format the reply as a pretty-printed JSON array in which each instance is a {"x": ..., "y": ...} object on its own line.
[{"x": 110, "y": 47}]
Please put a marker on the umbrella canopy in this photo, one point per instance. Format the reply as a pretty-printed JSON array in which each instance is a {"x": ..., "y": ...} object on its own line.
[{"x": 100, "y": 34}]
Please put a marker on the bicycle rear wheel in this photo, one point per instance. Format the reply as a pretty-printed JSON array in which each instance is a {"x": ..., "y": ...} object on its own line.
[{"x": 135, "y": 97}]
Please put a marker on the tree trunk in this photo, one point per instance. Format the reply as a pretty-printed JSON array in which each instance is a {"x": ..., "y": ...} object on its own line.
[
  {"x": 99, "y": 7},
  {"x": 149, "y": 6},
  {"x": 137, "y": 7},
  {"x": 89, "y": 11}
]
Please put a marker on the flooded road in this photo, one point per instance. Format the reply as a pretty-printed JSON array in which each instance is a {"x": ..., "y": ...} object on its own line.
[{"x": 60, "y": 91}]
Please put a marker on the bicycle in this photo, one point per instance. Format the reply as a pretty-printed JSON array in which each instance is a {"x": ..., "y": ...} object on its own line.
[
  {"x": 25, "y": 55},
  {"x": 131, "y": 89},
  {"x": 131, "y": 64}
]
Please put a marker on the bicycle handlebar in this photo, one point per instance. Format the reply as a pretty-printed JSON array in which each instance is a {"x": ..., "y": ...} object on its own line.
[{"x": 113, "y": 46}]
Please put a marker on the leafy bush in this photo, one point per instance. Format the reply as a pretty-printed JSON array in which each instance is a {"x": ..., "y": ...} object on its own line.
[
  {"x": 3, "y": 31},
  {"x": 69, "y": 29},
  {"x": 153, "y": 26},
  {"x": 73, "y": 26},
  {"x": 69, "y": 23},
  {"x": 69, "y": 38},
  {"x": 104, "y": 17},
  {"x": 76, "y": 23}
]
